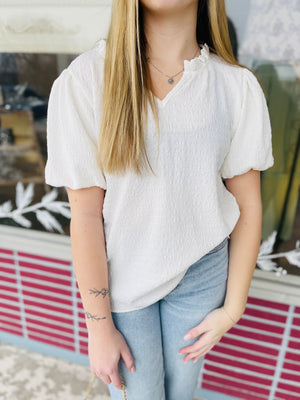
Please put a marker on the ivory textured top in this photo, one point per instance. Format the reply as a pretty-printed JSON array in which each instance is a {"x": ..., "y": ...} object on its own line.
[{"x": 214, "y": 124}]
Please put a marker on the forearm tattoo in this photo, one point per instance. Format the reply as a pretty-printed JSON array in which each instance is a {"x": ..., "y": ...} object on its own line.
[
  {"x": 97, "y": 292},
  {"x": 104, "y": 292},
  {"x": 93, "y": 317}
]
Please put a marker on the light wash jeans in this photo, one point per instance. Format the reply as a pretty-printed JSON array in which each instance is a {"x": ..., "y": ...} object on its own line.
[{"x": 154, "y": 334}]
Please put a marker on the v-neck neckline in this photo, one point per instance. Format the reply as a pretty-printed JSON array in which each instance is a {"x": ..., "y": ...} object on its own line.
[
  {"x": 190, "y": 66},
  {"x": 162, "y": 102}
]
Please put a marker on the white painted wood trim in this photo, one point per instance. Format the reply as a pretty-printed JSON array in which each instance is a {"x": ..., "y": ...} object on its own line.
[{"x": 67, "y": 26}]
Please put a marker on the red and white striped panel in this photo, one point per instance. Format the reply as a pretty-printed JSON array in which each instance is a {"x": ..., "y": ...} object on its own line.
[
  {"x": 258, "y": 358},
  {"x": 37, "y": 298}
]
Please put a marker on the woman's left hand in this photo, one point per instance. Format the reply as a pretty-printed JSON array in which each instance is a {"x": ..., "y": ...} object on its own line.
[{"x": 211, "y": 329}]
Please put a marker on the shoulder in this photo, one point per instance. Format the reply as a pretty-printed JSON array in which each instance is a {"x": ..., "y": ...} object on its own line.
[
  {"x": 235, "y": 75},
  {"x": 88, "y": 61},
  {"x": 238, "y": 82},
  {"x": 84, "y": 73},
  {"x": 240, "y": 88},
  {"x": 86, "y": 68}
]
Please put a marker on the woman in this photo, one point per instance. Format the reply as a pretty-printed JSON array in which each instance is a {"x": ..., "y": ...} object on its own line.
[{"x": 159, "y": 279}]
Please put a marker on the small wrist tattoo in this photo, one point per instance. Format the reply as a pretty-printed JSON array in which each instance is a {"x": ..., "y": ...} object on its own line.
[
  {"x": 93, "y": 317},
  {"x": 97, "y": 292}
]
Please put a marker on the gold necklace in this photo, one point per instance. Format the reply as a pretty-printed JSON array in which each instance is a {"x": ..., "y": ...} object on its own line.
[{"x": 170, "y": 80}]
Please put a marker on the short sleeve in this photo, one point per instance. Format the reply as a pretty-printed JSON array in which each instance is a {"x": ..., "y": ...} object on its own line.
[
  {"x": 251, "y": 143},
  {"x": 71, "y": 136}
]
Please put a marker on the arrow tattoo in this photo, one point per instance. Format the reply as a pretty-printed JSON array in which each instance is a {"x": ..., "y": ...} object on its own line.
[
  {"x": 93, "y": 317},
  {"x": 97, "y": 292}
]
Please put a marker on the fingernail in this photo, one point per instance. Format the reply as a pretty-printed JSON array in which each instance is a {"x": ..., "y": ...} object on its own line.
[
  {"x": 187, "y": 336},
  {"x": 132, "y": 369}
]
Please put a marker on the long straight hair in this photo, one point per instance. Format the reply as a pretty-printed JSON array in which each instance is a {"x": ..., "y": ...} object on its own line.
[{"x": 127, "y": 87}]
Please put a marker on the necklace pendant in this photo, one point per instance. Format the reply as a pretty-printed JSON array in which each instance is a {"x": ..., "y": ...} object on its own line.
[{"x": 171, "y": 80}]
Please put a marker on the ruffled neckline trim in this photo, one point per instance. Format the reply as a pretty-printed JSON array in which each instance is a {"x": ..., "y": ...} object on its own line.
[{"x": 197, "y": 62}]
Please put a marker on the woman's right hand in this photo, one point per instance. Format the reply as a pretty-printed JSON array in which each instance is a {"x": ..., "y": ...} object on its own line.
[{"x": 105, "y": 347}]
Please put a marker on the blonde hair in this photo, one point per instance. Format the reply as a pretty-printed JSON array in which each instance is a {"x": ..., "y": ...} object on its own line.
[{"x": 127, "y": 85}]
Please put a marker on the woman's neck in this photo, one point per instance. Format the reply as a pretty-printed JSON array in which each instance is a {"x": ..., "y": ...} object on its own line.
[{"x": 171, "y": 34}]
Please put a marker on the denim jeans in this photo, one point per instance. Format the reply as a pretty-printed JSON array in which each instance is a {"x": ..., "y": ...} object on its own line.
[{"x": 154, "y": 334}]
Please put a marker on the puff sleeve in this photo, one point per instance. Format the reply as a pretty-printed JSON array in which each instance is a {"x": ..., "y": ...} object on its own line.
[
  {"x": 251, "y": 143},
  {"x": 71, "y": 136}
]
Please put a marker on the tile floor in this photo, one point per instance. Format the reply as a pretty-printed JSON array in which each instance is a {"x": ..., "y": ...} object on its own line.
[{"x": 27, "y": 375}]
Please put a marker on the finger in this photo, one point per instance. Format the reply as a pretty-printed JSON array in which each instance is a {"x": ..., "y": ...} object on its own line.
[
  {"x": 195, "y": 359},
  {"x": 128, "y": 359},
  {"x": 192, "y": 356},
  {"x": 196, "y": 331},
  {"x": 197, "y": 353},
  {"x": 203, "y": 341},
  {"x": 196, "y": 346},
  {"x": 200, "y": 352},
  {"x": 116, "y": 380},
  {"x": 104, "y": 378}
]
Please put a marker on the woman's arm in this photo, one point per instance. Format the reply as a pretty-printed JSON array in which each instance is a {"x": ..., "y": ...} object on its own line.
[
  {"x": 106, "y": 343},
  {"x": 244, "y": 241},
  {"x": 89, "y": 255},
  {"x": 243, "y": 251}
]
